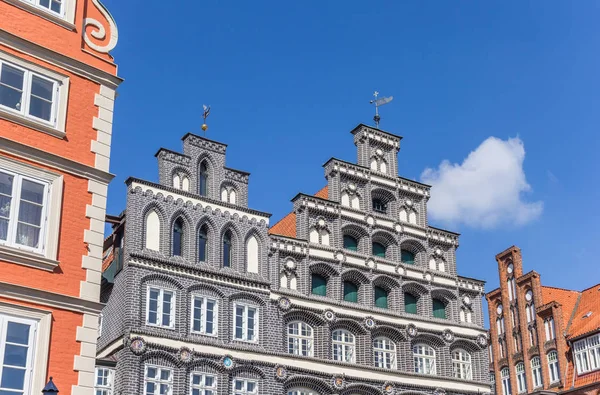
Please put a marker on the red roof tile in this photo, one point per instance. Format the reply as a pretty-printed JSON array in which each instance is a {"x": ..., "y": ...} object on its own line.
[
  {"x": 323, "y": 193},
  {"x": 589, "y": 302},
  {"x": 564, "y": 297},
  {"x": 285, "y": 227}
]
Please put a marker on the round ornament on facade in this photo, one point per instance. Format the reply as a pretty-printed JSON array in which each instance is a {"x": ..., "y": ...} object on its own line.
[
  {"x": 438, "y": 252},
  {"x": 352, "y": 187},
  {"x": 411, "y": 330},
  {"x": 370, "y": 220},
  {"x": 284, "y": 303},
  {"x": 439, "y": 391},
  {"x": 428, "y": 276},
  {"x": 398, "y": 228},
  {"x": 388, "y": 388},
  {"x": 290, "y": 264},
  {"x": 400, "y": 270},
  {"x": 499, "y": 309},
  {"x": 379, "y": 152},
  {"x": 329, "y": 315},
  {"x": 482, "y": 340},
  {"x": 227, "y": 362},
  {"x": 369, "y": 322},
  {"x": 528, "y": 295},
  {"x": 185, "y": 355},
  {"x": 467, "y": 301},
  {"x": 281, "y": 372},
  {"x": 340, "y": 256},
  {"x": 409, "y": 202},
  {"x": 339, "y": 382},
  {"x": 137, "y": 346},
  {"x": 370, "y": 263},
  {"x": 510, "y": 268},
  {"x": 321, "y": 222},
  {"x": 448, "y": 336}
]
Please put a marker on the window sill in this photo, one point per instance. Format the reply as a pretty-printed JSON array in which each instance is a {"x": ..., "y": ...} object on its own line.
[
  {"x": 43, "y": 14},
  {"x": 4, "y": 114},
  {"x": 26, "y": 258}
]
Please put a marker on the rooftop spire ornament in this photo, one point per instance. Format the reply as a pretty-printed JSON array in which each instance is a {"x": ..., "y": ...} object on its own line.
[
  {"x": 205, "y": 115},
  {"x": 379, "y": 102}
]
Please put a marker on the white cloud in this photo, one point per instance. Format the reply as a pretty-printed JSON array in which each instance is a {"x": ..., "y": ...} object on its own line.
[{"x": 486, "y": 190}]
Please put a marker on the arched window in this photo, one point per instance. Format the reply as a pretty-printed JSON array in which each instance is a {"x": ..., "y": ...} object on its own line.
[
  {"x": 403, "y": 215},
  {"x": 350, "y": 292},
  {"x": 324, "y": 234},
  {"x": 232, "y": 197},
  {"x": 178, "y": 237},
  {"x": 407, "y": 257},
  {"x": 553, "y": 366},
  {"x": 505, "y": 376},
  {"x": 378, "y": 249},
  {"x": 350, "y": 243},
  {"x": 384, "y": 353},
  {"x": 439, "y": 309},
  {"x": 442, "y": 266},
  {"x": 536, "y": 372},
  {"x": 379, "y": 206},
  {"x": 283, "y": 280},
  {"x": 227, "y": 249},
  {"x": 383, "y": 166},
  {"x": 318, "y": 285},
  {"x": 224, "y": 194},
  {"x": 342, "y": 344},
  {"x": 176, "y": 181},
  {"x": 203, "y": 180},
  {"x": 152, "y": 231},
  {"x": 412, "y": 218},
  {"x": 381, "y": 297},
  {"x": 300, "y": 339},
  {"x": 410, "y": 303},
  {"x": 185, "y": 183},
  {"x": 203, "y": 243},
  {"x": 521, "y": 381},
  {"x": 462, "y": 315},
  {"x": 301, "y": 391},
  {"x": 293, "y": 282},
  {"x": 252, "y": 254},
  {"x": 424, "y": 357},
  {"x": 461, "y": 365}
]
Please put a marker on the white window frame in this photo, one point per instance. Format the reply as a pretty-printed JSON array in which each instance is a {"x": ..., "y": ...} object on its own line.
[
  {"x": 424, "y": 362},
  {"x": 203, "y": 387},
  {"x": 505, "y": 377},
  {"x": 462, "y": 367},
  {"x": 553, "y": 370},
  {"x": 384, "y": 353},
  {"x": 246, "y": 306},
  {"x": 296, "y": 339},
  {"x": 159, "y": 307},
  {"x": 536, "y": 372},
  {"x": 346, "y": 349},
  {"x": 105, "y": 389},
  {"x": 521, "y": 379},
  {"x": 587, "y": 354},
  {"x": 301, "y": 391},
  {"x": 59, "y": 99},
  {"x": 245, "y": 390},
  {"x": 65, "y": 18},
  {"x": 158, "y": 381},
  {"x": 215, "y": 322},
  {"x": 44, "y": 257},
  {"x": 549, "y": 329}
]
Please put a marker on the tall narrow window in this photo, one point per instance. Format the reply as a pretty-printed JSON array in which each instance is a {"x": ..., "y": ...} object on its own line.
[
  {"x": 424, "y": 358},
  {"x": 536, "y": 372},
  {"x": 246, "y": 323},
  {"x": 16, "y": 356},
  {"x": 384, "y": 353},
  {"x": 461, "y": 365},
  {"x": 342, "y": 343},
  {"x": 204, "y": 313},
  {"x": 439, "y": 309},
  {"x": 410, "y": 303},
  {"x": 158, "y": 380},
  {"x": 252, "y": 252},
  {"x": 505, "y": 376},
  {"x": 350, "y": 243},
  {"x": 318, "y": 285},
  {"x": 521, "y": 381},
  {"x": 350, "y": 292},
  {"x": 379, "y": 249},
  {"x": 227, "y": 249},
  {"x": 381, "y": 297},
  {"x": 203, "y": 180},
  {"x": 553, "y": 366},
  {"x": 203, "y": 384},
  {"x": 152, "y": 236},
  {"x": 202, "y": 244},
  {"x": 160, "y": 307},
  {"x": 300, "y": 339},
  {"x": 407, "y": 257},
  {"x": 549, "y": 329},
  {"x": 178, "y": 237},
  {"x": 379, "y": 206}
]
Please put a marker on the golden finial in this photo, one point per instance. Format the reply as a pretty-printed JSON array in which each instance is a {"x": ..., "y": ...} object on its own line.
[{"x": 205, "y": 115}]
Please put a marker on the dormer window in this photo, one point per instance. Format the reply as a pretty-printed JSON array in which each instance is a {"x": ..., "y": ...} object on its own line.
[{"x": 379, "y": 206}]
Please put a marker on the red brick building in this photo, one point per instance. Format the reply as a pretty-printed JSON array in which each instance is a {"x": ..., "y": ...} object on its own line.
[
  {"x": 57, "y": 90},
  {"x": 542, "y": 339}
]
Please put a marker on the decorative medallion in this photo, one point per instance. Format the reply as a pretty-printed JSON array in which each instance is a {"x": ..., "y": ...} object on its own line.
[
  {"x": 284, "y": 303},
  {"x": 370, "y": 263},
  {"x": 529, "y": 295},
  {"x": 448, "y": 336},
  {"x": 379, "y": 152},
  {"x": 370, "y": 220},
  {"x": 388, "y": 388},
  {"x": 185, "y": 354},
  {"x": 499, "y": 309},
  {"x": 467, "y": 301},
  {"x": 408, "y": 202},
  {"x": 227, "y": 362},
  {"x": 339, "y": 382},
  {"x": 398, "y": 228},
  {"x": 369, "y": 322},
  {"x": 400, "y": 270},
  {"x": 290, "y": 264},
  {"x": 510, "y": 269},
  {"x": 438, "y": 252},
  {"x": 411, "y": 330},
  {"x": 352, "y": 187},
  {"x": 427, "y": 276},
  {"x": 439, "y": 391},
  {"x": 280, "y": 372},
  {"x": 329, "y": 315},
  {"x": 482, "y": 340},
  {"x": 321, "y": 222},
  {"x": 137, "y": 346},
  {"x": 340, "y": 256}
]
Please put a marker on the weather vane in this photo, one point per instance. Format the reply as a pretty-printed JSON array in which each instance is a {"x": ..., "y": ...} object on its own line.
[
  {"x": 205, "y": 115},
  {"x": 379, "y": 102}
]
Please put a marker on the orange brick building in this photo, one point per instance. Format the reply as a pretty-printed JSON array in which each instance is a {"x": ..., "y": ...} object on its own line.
[
  {"x": 57, "y": 90},
  {"x": 542, "y": 339}
]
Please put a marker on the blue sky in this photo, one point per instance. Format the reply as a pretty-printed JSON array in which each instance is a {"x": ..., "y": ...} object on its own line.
[{"x": 287, "y": 81}]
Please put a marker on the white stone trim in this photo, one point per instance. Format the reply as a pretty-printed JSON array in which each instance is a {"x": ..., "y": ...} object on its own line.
[
  {"x": 105, "y": 101},
  {"x": 100, "y": 32}
]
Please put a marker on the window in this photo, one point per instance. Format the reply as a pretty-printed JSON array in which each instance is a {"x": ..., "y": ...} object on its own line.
[
  {"x": 549, "y": 329},
  {"x": 104, "y": 381},
  {"x": 203, "y": 384},
  {"x": 517, "y": 342},
  {"x": 410, "y": 303},
  {"x": 204, "y": 314},
  {"x": 381, "y": 297},
  {"x": 252, "y": 253},
  {"x": 384, "y": 353},
  {"x": 52, "y": 6},
  {"x": 160, "y": 307},
  {"x": 379, "y": 206},
  {"x": 300, "y": 339},
  {"x": 493, "y": 380},
  {"x": 350, "y": 292},
  {"x": 318, "y": 285},
  {"x": 587, "y": 354},
  {"x": 500, "y": 325},
  {"x": 505, "y": 376},
  {"x": 424, "y": 358},
  {"x": 158, "y": 380},
  {"x": 342, "y": 343},
  {"x": 532, "y": 336},
  {"x": 23, "y": 207},
  {"x": 407, "y": 257},
  {"x": 246, "y": 323},
  {"x": 202, "y": 243},
  {"x": 461, "y": 365},
  {"x": 203, "y": 180},
  {"x": 439, "y": 309},
  {"x": 501, "y": 346},
  {"x": 379, "y": 249},
  {"x": 536, "y": 372},
  {"x": 178, "y": 237},
  {"x": 350, "y": 243},
  {"x": 16, "y": 354},
  {"x": 152, "y": 239},
  {"x": 553, "y": 366},
  {"x": 512, "y": 292},
  {"x": 301, "y": 391},
  {"x": 521, "y": 381},
  {"x": 245, "y": 387},
  {"x": 227, "y": 249}
]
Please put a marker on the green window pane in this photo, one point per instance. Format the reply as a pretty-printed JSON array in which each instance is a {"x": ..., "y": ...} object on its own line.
[
  {"x": 439, "y": 309},
  {"x": 319, "y": 285},
  {"x": 410, "y": 303},
  {"x": 408, "y": 257},
  {"x": 379, "y": 250},
  {"x": 381, "y": 298},
  {"x": 350, "y": 243},
  {"x": 350, "y": 292}
]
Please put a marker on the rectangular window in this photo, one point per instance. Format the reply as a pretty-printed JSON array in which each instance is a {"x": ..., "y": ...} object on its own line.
[
  {"x": 245, "y": 323},
  {"x": 17, "y": 337},
  {"x": 536, "y": 372},
  {"x": 587, "y": 354},
  {"x": 521, "y": 382},
  {"x": 204, "y": 315},
  {"x": 55, "y": 7},
  {"x": 160, "y": 307},
  {"x": 245, "y": 387},
  {"x": 158, "y": 380},
  {"x": 549, "y": 329},
  {"x": 553, "y": 366},
  {"x": 203, "y": 384},
  {"x": 104, "y": 381}
]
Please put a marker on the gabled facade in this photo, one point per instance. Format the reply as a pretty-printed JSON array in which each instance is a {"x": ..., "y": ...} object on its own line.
[
  {"x": 57, "y": 91},
  {"x": 351, "y": 293},
  {"x": 537, "y": 332}
]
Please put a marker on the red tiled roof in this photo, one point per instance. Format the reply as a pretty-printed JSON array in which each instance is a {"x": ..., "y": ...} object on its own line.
[
  {"x": 581, "y": 380},
  {"x": 589, "y": 302},
  {"x": 564, "y": 297},
  {"x": 285, "y": 227},
  {"x": 107, "y": 261},
  {"x": 323, "y": 193}
]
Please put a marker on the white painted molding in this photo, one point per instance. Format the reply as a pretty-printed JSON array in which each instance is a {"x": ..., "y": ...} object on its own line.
[{"x": 100, "y": 32}]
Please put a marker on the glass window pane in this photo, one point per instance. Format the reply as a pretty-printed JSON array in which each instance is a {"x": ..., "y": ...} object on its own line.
[
  {"x": 319, "y": 285},
  {"x": 381, "y": 298},
  {"x": 28, "y": 235},
  {"x": 379, "y": 250},
  {"x": 15, "y": 355},
  {"x": 32, "y": 191},
  {"x": 30, "y": 213},
  {"x": 350, "y": 243},
  {"x": 439, "y": 309},
  {"x": 350, "y": 292},
  {"x": 17, "y": 333},
  {"x": 410, "y": 303},
  {"x": 11, "y": 77},
  {"x": 42, "y": 88},
  {"x": 407, "y": 257},
  {"x": 40, "y": 108},
  {"x": 11, "y": 87},
  {"x": 13, "y": 378}
]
